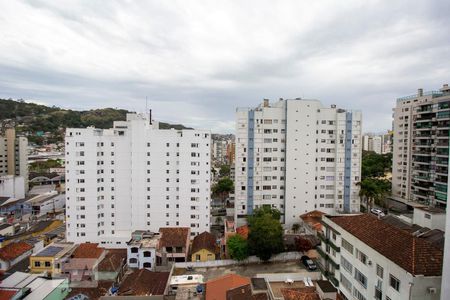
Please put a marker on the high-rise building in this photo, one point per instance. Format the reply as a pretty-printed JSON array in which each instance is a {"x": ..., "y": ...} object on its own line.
[
  {"x": 420, "y": 151},
  {"x": 14, "y": 155},
  {"x": 380, "y": 144},
  {"x": 135, "y": 176},
  {"x": 297, "y": 156}
]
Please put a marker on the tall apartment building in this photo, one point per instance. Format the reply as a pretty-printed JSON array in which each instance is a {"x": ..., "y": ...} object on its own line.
[
  {"x": 373, "y": 143},
  {"x": 421, "y": 143},
  {"x": 14, "y": 155},
  {"x": 135, "y": 176},
  {"x": 297, "y": 156}
]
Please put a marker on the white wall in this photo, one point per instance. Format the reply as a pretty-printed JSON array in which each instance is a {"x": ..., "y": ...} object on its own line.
[{"x": 12, "y": 186}]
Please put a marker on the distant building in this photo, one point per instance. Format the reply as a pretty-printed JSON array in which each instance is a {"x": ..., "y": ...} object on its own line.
[
  {"x": 144, "y": 283},
  {"x": 141, "y": 250},
  {"x": 14, "y": 156},
  {"x": 230, "y": 286},
  {"x": 420, "y": 148},
  {"x": 173, "y": 245},
  {"x": 297, "y": 155},
  {"x": 380, "y": 144},
  {"x": 51, "y": 258},
  {"x": 12, "y": 186},
  {"x": 365, "y": 257},
  {"x": 82, "y": 264},
  {"x": 204, "y": 247},
  {"x": 135, "y": 176},
  {"x": 13, "y": 253}
]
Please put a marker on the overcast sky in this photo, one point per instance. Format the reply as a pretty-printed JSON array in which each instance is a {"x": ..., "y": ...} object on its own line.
[{"x": 196, "y": 61}]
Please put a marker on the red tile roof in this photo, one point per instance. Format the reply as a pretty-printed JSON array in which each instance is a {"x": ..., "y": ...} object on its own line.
[
  {"x": 93, "y": 293},
  {"x": 87, "y": 250},
  {"x": 6, "y": 294},
  {"x": 174, "y": 236},
  {"x": 14, "y": 250},
  {"x": 305, "y": 293},
  {"x": 112, "y": 260},
  {"x": 144, "y": 282},
  {"x": 415, "y": 255},
  {"x": 216, "y": 289},
  {"x": 204, "y": 240},
  {"x": 243, "y": 231}
]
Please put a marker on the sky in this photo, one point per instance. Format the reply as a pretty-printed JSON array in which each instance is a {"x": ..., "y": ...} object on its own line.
[{"x": 196, "y": 61}]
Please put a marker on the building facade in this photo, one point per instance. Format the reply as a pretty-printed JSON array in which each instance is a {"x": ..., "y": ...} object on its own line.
[
  {"x": 14, "y": 155},
  {"x": 420, "y": 147},
  {"x": 366, "y": 258},
  {"x": 297, "y": 156},
  {"x": 135, "y": 176}
]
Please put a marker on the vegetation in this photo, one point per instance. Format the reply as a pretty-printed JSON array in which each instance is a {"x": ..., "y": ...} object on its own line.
[
  {"x": 222, "y": 188},
  {"x": 224, "y": 171},
  {"x": 374, "y": 186},
  {"x": 31, "y": 118},
  {"x": 266, "y": 234},
  {"x": 302, "y": 244},
  {"x": 44, "y": 166},
  {"x": 237, "y": 247}
]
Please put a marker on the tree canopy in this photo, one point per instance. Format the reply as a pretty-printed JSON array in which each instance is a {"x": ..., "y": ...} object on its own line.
[
  {"x": 237, "y": 247},
  {"x": 224, "y": 171},
  {"x": 223, "y": 187},
  {"x": 375, "y": 165},
  {"x": 266, "y": 233}
]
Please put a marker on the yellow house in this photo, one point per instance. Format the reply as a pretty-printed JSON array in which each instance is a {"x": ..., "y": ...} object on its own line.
[
  {"x": 204, "y": 247},
  {"x": 50, "y": 258}
]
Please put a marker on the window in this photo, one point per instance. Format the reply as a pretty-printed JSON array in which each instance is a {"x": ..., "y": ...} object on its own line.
[
  {"x": 47, "y": 264},
  {"x": 147, "y": 265},
  {"x": 133, "y": 260},
  {"x": 358, "y": 294},
  {"x": 347, "y": 246},
  {"x": 134, "y": 250},
  {"x": 394, "y": 282},
  {"x": 346, "y": 265},
  {"x": 346, "y": 283},
  {"x": 361, "y": 278},
  {"x": 380, "y": 271},
  {"x": 37, "y": 264},
  {"x": 361, "y": 256},
  {"x": 147, "y": 254}
]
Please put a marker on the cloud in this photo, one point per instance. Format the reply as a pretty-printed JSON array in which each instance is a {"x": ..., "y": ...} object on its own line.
[{"x": 197, "y": 61}]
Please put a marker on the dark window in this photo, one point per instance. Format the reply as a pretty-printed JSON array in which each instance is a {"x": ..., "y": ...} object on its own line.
[
  {"x": 134, "y": 250},
  {"x": 147, "y": 265},
  {"x": 133, "y": 260},
  {"x": 147, "y": 254}
]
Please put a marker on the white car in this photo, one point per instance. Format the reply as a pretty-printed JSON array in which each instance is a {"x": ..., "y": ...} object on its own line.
[{"x": 377, "y": 212}]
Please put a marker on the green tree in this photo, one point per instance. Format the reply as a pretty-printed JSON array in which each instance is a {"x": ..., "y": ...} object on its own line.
[
  {"x": 375, "y": 165},
  {"x": 223, "y": 187},
  {"x": 267, "y": 209},
  {"x": 373, "y": 190},
  {"x": 237, "y": 247},
  {"x": 224, "y": 171},
  {"x": 266, "y": 234}
]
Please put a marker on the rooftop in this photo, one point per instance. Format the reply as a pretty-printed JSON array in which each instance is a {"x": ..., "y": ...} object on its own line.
[
  {"x": 243, "y": 231},
  {"x": 87, "y": 250},
  {"x": 217, "y": 288},
  {"x": 112, "y": 260},
  {"x": 415, "y": 255},
  {"x": 431, "y": 210},
  {"x": 304, "y": 293},
  {"x": 205, "y": 240},
  {"x": 55, "y": 250},
  {"x": 174, "y": 236},
  {"x": 14, "y": 250},
  {"x": 144, "y": 282}
]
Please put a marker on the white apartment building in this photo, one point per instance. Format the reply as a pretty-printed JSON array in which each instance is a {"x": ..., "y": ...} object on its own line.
[
  {"x": 366, "y": 258},
  {"x": 141, "y": 250},
  {"x": 420, "y": 147},
  {"x": 135, "y": 176},
  {"x": 14, "y": 156},
  {"x": 297, "y": 156},
  {"x": 219, "y": 151}
]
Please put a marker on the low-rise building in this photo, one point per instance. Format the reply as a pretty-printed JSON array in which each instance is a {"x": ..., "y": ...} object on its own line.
[
  {"x": 50, "y": 259},
  {"x": 430, "y": 217},
  {"x": 367, "y": 258},
  {"x": 141, "y": 250},
  {"x": 47, "y": 203},
  {"x": 112, "y": 264},
  {"x": 144, "y": 283},
  {"x": 226, "y": 286},
  {"x": 173, "y": 244},
  {"x": 83, "y": 262},
  {"x": 6, "y": 229},
  {"x": 204, "y": 247},
  {"x": 13, "y": 253}
]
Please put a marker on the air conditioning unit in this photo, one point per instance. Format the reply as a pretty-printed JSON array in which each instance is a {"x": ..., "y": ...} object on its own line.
[{"x": 431, "y": 290}]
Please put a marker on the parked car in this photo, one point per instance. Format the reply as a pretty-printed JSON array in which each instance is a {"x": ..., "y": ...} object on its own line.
[
  {"x": 377, "y": 212},
  {"x": 308, "y": 263}
]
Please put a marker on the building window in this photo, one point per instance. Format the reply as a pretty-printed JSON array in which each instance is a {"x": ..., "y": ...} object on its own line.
[
  {"x": 346, "y": 265},
  {"x": 133, "y": 260},
  {"x": 347, "y": 246},
  {"x": 394, "y": 282},
  {"x": 147, "y": 265},
  {"x": 346, "y": 283},
  {"x": 37, "y": 264},
  {"x": 361, "y": 256},
  {"x": 358, "y": 294},
  {"x": 147, "y": 254},
  {"x": 47, "y": 264},
  {"x": 361, "y": 278},
  {"x": 134, "y": 250},
  {"x": 380, "y": 271}
]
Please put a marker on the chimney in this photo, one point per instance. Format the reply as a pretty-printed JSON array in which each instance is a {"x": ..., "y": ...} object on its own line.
[
  {"x": 266, "y": 103},
  {"x": 420, "y": 92}
]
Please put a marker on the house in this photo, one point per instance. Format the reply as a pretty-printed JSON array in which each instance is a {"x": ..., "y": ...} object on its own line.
[
  {"x": 181, "y": 284},
  {"x": 111, "y": 265},
  {"x": 6, "y": 229},
  {"x": 141, "y": 250},
  {"x": 204, "y": 247},
  {"x": 173, "y": 244},
  {"x": 143, "y": 282},
  {"x": 47, "y": 203},
  {"x": 365, "y": 257},
  {"x": 13, "y": 253},
  {"x": 83, "y": 262},
  {"x": 311, "y": 221},
  {"x": 51, "y": 258},
  {"x": 32, "y": 286},
  {"x": 230, "y": 286}
]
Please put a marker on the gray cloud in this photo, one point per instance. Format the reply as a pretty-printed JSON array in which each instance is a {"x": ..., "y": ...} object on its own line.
[{"x": 197, "y": 61}]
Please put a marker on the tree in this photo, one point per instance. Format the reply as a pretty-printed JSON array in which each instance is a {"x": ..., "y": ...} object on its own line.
[
  {"x": 302, "y": 244},
  {"x": 237, "y": 247},
  {"x": 295, "y": 227},
  {"x": 223, "y": 187},
  {"x": 374, "y": 190},
  {"x": 224, "y": 171},
  {"x": 266, "y": 234},
  {"x": 267, "y": 209},
  {"x": 375, "y": 165}
]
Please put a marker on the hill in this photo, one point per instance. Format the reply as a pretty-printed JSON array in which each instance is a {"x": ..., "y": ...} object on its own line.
[{"x": 31, "y": 118}]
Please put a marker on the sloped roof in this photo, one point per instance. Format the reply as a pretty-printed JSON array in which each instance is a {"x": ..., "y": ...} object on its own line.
[
  {"x": 216, "y": 289},
  {"x": 204, "y": 240},
  {"x": 144, "y": 282},
  {"x": 305, "y": 293},
  {"x": 87, "y": 250},
  {"x": 243, "y": 231},
  {"x": 415, "y": 255},
  {"x": 174, "y": 236},
  {"x": 14, "y": 250},
  {"x": 112, "y": 260}
]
